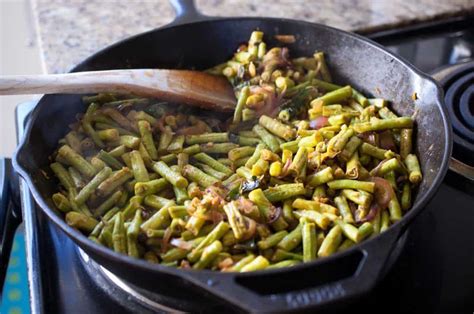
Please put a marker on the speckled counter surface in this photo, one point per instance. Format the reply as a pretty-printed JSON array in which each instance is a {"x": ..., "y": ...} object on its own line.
[{"x": 71, "y": 30}]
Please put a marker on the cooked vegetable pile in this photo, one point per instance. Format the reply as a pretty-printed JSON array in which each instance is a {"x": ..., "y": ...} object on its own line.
[{"x": 305, "y": 168}]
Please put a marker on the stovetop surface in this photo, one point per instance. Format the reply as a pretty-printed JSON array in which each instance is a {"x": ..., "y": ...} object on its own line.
[{"x": 434, "y": 273}]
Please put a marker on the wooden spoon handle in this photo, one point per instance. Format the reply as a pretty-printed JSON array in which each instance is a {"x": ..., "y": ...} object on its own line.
[
  {"x": 71, "y": 83},
  {"x": 191, "y": 87}
]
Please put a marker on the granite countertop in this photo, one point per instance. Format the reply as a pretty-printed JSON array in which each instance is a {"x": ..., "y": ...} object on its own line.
[{"x": 71, "y": 30}]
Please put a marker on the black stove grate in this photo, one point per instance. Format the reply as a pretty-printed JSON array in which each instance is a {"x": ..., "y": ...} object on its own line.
[{"x": 458, "y": 84}]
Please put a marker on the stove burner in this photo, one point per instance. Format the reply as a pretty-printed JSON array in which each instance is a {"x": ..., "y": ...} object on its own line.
[
  {"x": 139, "y": 300},
  {"x": 458, "y": 84}
]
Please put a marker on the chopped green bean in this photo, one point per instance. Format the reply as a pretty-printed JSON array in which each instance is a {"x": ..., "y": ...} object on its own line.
[
  {"x": 378, "y": 125},
  {"x": 90, "y": 188},
  {"x": 158, "y": 219},
  {"x": 77, "y": 161},
  {"x": 110, "y": 202},
  {"x": 114, "y": 181},
  {"x": 147, "y": 138},
  {"x": 269, "y": 139},
  {"x": 310, "y": 245},
  {"x": 150, "y": 187},
  {"x": 331, "y": 242},
  {"x": 173, "y": 177},
  {"x": 243, "y": 95},
  {"x": 336, "y": 96},
  {"x": 61, "y": 202},
  {"x": 352, "y": 184},
  {"x": 411, "y": 161},
  {"x": 194, "y": 174},
  {"x": 119, "y": 237},
  {"x": 208, "y": 160},
  {"x": 81, "y": 221},
  {"x": 258, "y": 263},
  {"x": 110, "y": 160},
  {"x": 277, "y": 128},
  {"x": 285, "y": 191},
  {"x": 176, "y": 144}
]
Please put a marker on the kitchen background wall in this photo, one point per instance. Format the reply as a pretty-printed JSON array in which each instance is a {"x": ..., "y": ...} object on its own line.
[{"x": 19, "y": 54}]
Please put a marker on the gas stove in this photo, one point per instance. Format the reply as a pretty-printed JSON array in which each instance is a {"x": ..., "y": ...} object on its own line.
[{"x": 433, "y": 273}]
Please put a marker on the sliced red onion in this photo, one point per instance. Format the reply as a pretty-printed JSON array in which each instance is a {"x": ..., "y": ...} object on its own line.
[
  {"x": 386, "y": 141},
  {"x": 285, "y": 55},
  {"x": 369, "y": 137},
  {"x": 217, "y": 217},
  {"x": 272, "y": 102},
  {"x": 318, "y": 123},
  {"x": 214, "y": 216},
  {"x": 353, "y": 208},
  {"x": 376, "y": 169},
  {"x": 383, "y": 192},
  {"x": 251, "y": 228},
  {"x": 286, "y": 167},
  {"x": 166, "y": 240},
  {"x": 374, "y": 209},
  {"x": 180, "y": 243},
  {"x": 278, "y": 60},
  {"x": 401, "y": 179},
  {"x": 274, "y": 214},
  {"x": 246, "y": 206}
]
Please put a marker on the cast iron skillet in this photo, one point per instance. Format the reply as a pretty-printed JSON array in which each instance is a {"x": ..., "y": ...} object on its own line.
[{"x": 195, "y": 41}]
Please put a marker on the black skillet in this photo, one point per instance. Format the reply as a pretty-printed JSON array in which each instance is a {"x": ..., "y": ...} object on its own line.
[{"x": 195, "y": 41}]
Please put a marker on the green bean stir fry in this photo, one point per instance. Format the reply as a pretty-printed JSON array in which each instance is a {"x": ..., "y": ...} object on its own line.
[{"x": 303, "y": 169}]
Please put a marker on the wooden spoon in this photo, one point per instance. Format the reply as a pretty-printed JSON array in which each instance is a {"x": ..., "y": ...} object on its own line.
[{"x": 190, "y": 87}]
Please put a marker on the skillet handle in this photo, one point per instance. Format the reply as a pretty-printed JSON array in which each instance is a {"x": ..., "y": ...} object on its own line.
[
  {"x": 186, "y": 12},
  {"x": 461, "y": 168},
  {"x": 305, "y": 286}
]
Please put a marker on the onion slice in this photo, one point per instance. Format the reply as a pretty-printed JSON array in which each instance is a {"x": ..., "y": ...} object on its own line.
[
  {"x": 383, "y": 192},
  {"x": 286, "y": 168},
  {"x": 374, "y": 209},
  {"x": 318, "y": 123},
  {"x": 166, "y": 239},
  {"x": 214, "y": 216},
  {"x": 180, "y": 243},
  {"x": 386, "y": 141},
  {"x": 369, "y": 137},
  {"x": 272, "y": 102},
  {"x": 275, "y": 214},
  {"x": 251, "y": 228},
  {"x": 247, "y": 206}
]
